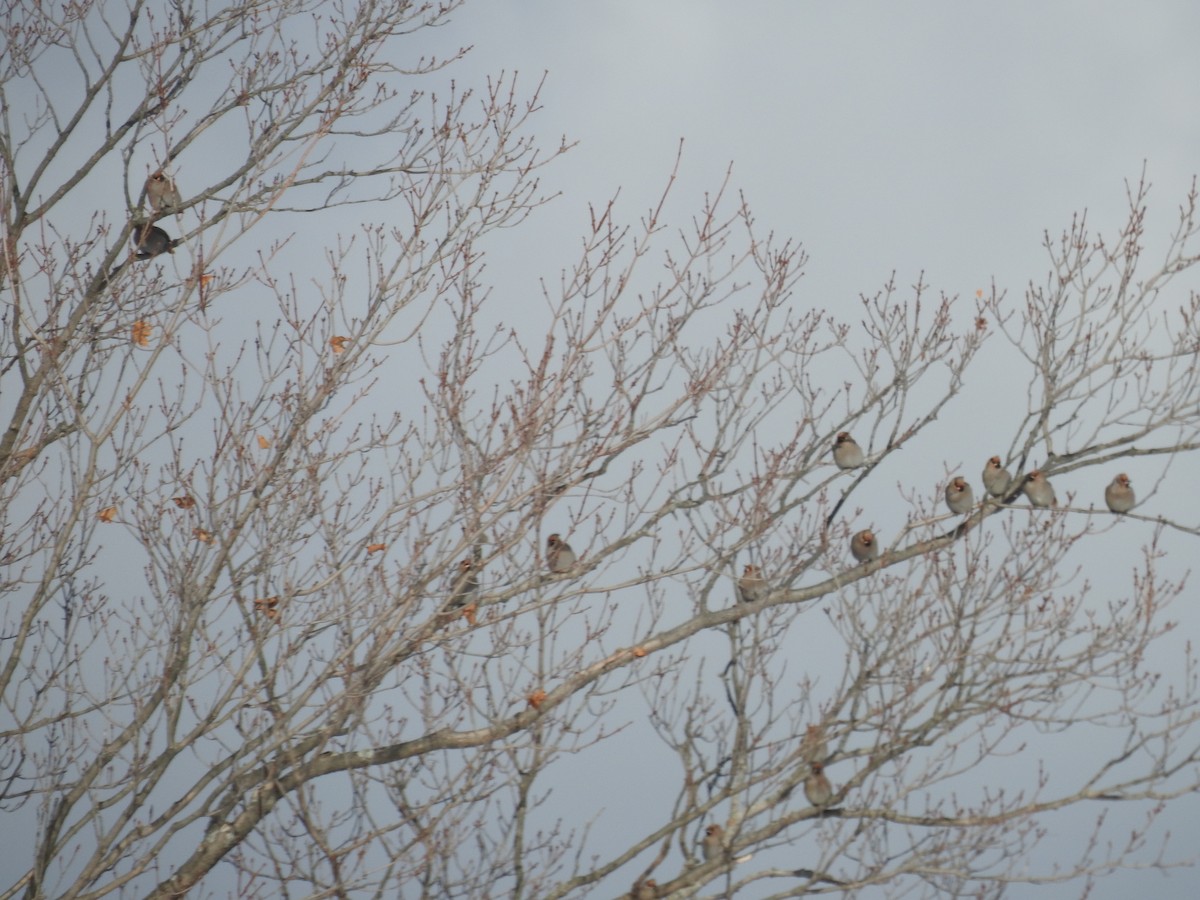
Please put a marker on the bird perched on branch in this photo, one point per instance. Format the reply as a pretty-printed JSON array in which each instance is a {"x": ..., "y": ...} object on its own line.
[
  {"x": 150, "y": 240},
  {"x": 465, "y": 583},
  {"x": 1119, "y": 494},
  {"x": 751, "y": 587},
  {"x": 864, "y": 547},
  {"x": 559, "y": 555},
  {"x": 959, "y": 496},
  {"x": 996, "y": 478},
  {"x": 846, "y": 453},
  {"x": 713, "y": 842},
  {"x": 817, "y": 788},
  {"x": 1038, "y": 490},
  {"x": 162, "y": 193}
]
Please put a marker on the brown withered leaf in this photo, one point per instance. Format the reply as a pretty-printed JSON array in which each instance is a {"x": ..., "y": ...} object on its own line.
[
  {"x": 203, "y": 536},
  {"x": 263, "y": 442},
  {"x": 639, "y": 652},
  {"x": 375, "y": 548},
  {"x": 184, "y": 502},
  {"x": 266, "y": 606},
  {"x": 338, "y": 343},
  {"x": 107, "y": 514},
  {"x": 140, "y": 332},
  {"x": 537, "y": 698}
]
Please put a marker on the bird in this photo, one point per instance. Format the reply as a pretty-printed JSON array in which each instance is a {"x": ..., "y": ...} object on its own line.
[
  {"x": 645, "y": 890},
  {"x": 752, "y": 586},
  {"x": 813, "y": 747},
  {"x": 1038, "y": 489},
  {"x": 713, "y": 842},
  {"x": 996, "y": 477},
  {"x": 559, "y": 555},
  {"x": 846, "y": 453},
  {"x": 162, "y": 193},
  {"x": 959, "y": 496},
  {"x": 1119, "y": 494},
  {"x": 817, "y": 788},
  {"x": 150, "y": 240},
  {"x": 864, "y": 547},
  {"x": 465, "y": 583}
]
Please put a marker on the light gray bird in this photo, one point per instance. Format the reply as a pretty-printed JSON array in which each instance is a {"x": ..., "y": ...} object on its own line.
[
  {"x": 864, "y": 547},
  {"x": 1038, "y": 490},
  {"x": 846, "y": 453},
  {"x": 996, "y": 478},
  {"x": 752, "y": 586},
  {"x": 645, "y": 890},
  {"x": 817, "y": 788},
  {"x": 465, "y": 583},
  {"x": 1119, "y": 494},
  {"x": 559, "y": 555},
  {"x": 162, "y": 193},
  {"x": 713, "y": 842},
  {"x": 959, "y": 496}
]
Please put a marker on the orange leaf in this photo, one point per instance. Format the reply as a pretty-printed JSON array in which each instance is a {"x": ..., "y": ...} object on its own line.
[
  {"x": 141, "y": 331},
  {"x": 375, "y": 548},
  {"x": 338, "y": 343},
  {"x": 979, "y": 293},
  {"x": 537, "y": 698},
  {"x": 107, "y": 514},
  {"x": 267, "y": 607},
  {"x": 184, "y": 502},
  {"x": 203, "y": 536},
  {"x": 469, "y": 613},
  {"x": 639, "y": 652},
  {"x": 263, "y": 442}
]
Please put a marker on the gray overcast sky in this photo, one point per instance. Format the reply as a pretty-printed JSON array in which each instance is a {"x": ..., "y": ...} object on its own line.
[{"x": 937, "y": 137}]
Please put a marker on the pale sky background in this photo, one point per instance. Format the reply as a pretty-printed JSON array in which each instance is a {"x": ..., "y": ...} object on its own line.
[{"x": 942, "y": 138}]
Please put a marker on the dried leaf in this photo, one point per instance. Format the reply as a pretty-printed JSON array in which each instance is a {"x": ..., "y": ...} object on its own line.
[
  {"x": 203, "y": 536},
  {"x": 184, "y": 502},
  {"x": 537, "y": 698},
  {"x": 263, "y": 442},
  {"x": 639, "y": 652},
  {"x": 338, "y": 343},
  {"x": 107, "y": 514},
  {"x": 469, "y": 613},
  {"x": 375, "y": 548},
  {"x": 141, "y": 331},
  {"x": 267, "y": 607}
]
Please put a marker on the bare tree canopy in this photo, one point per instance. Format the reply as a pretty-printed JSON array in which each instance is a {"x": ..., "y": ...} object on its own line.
[{"x": 329, "y": 571}]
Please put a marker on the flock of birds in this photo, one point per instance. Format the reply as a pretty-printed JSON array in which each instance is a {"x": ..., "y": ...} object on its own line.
[{"x": 960, "y": 499}]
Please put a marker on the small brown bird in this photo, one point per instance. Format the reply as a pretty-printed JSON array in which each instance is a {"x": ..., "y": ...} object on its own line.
[
  {"x": 959, "y": 496},
  {"x": 645, "y": 890},
  {"x": 752, "y": 586},
  {"x": 996, "y": 478},
  {"x": 559, "y": 555},
  {"x": 813, "y": 747},
  {"x": 846, "y": 453},
  {"x": 1119, "y": 494},
  {"x": 150, "y": 240},
  {"x": 1038, "y": 490},
  {"x": 713, "y": 842},
  {"x": 465, "y": 583},
  {"x": 864, "y": 547},
  {"x": 162, "y": 193},
  {"x": 817, "y": 788}
]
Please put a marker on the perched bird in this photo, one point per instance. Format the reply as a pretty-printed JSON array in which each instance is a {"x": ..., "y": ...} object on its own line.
[
  {"x": 996, "y": 477},
  {"x": 813, "y": 747},
  {"x": 162, "y": 193},
  {"x": 1037, "y": 488},
  {"x": 817, "y": 788},
  {"x": 559, "y": 555},
  {"x": 713, "y": 842},
  {"x": 846, "y": 453},
  {"x": 959, "y": 496},
  {"x": 645, "y": 890},
  {"x": 465, "y": 583},
  {"x": 150, "y": 240},
  {"x": 864, "y": 547},
  {"x": 752, "y": 586},
  {"x": 1119, "y": 494}
]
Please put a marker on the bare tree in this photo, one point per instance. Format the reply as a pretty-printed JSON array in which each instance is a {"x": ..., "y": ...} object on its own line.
[{"x": 282, "y": 610}]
